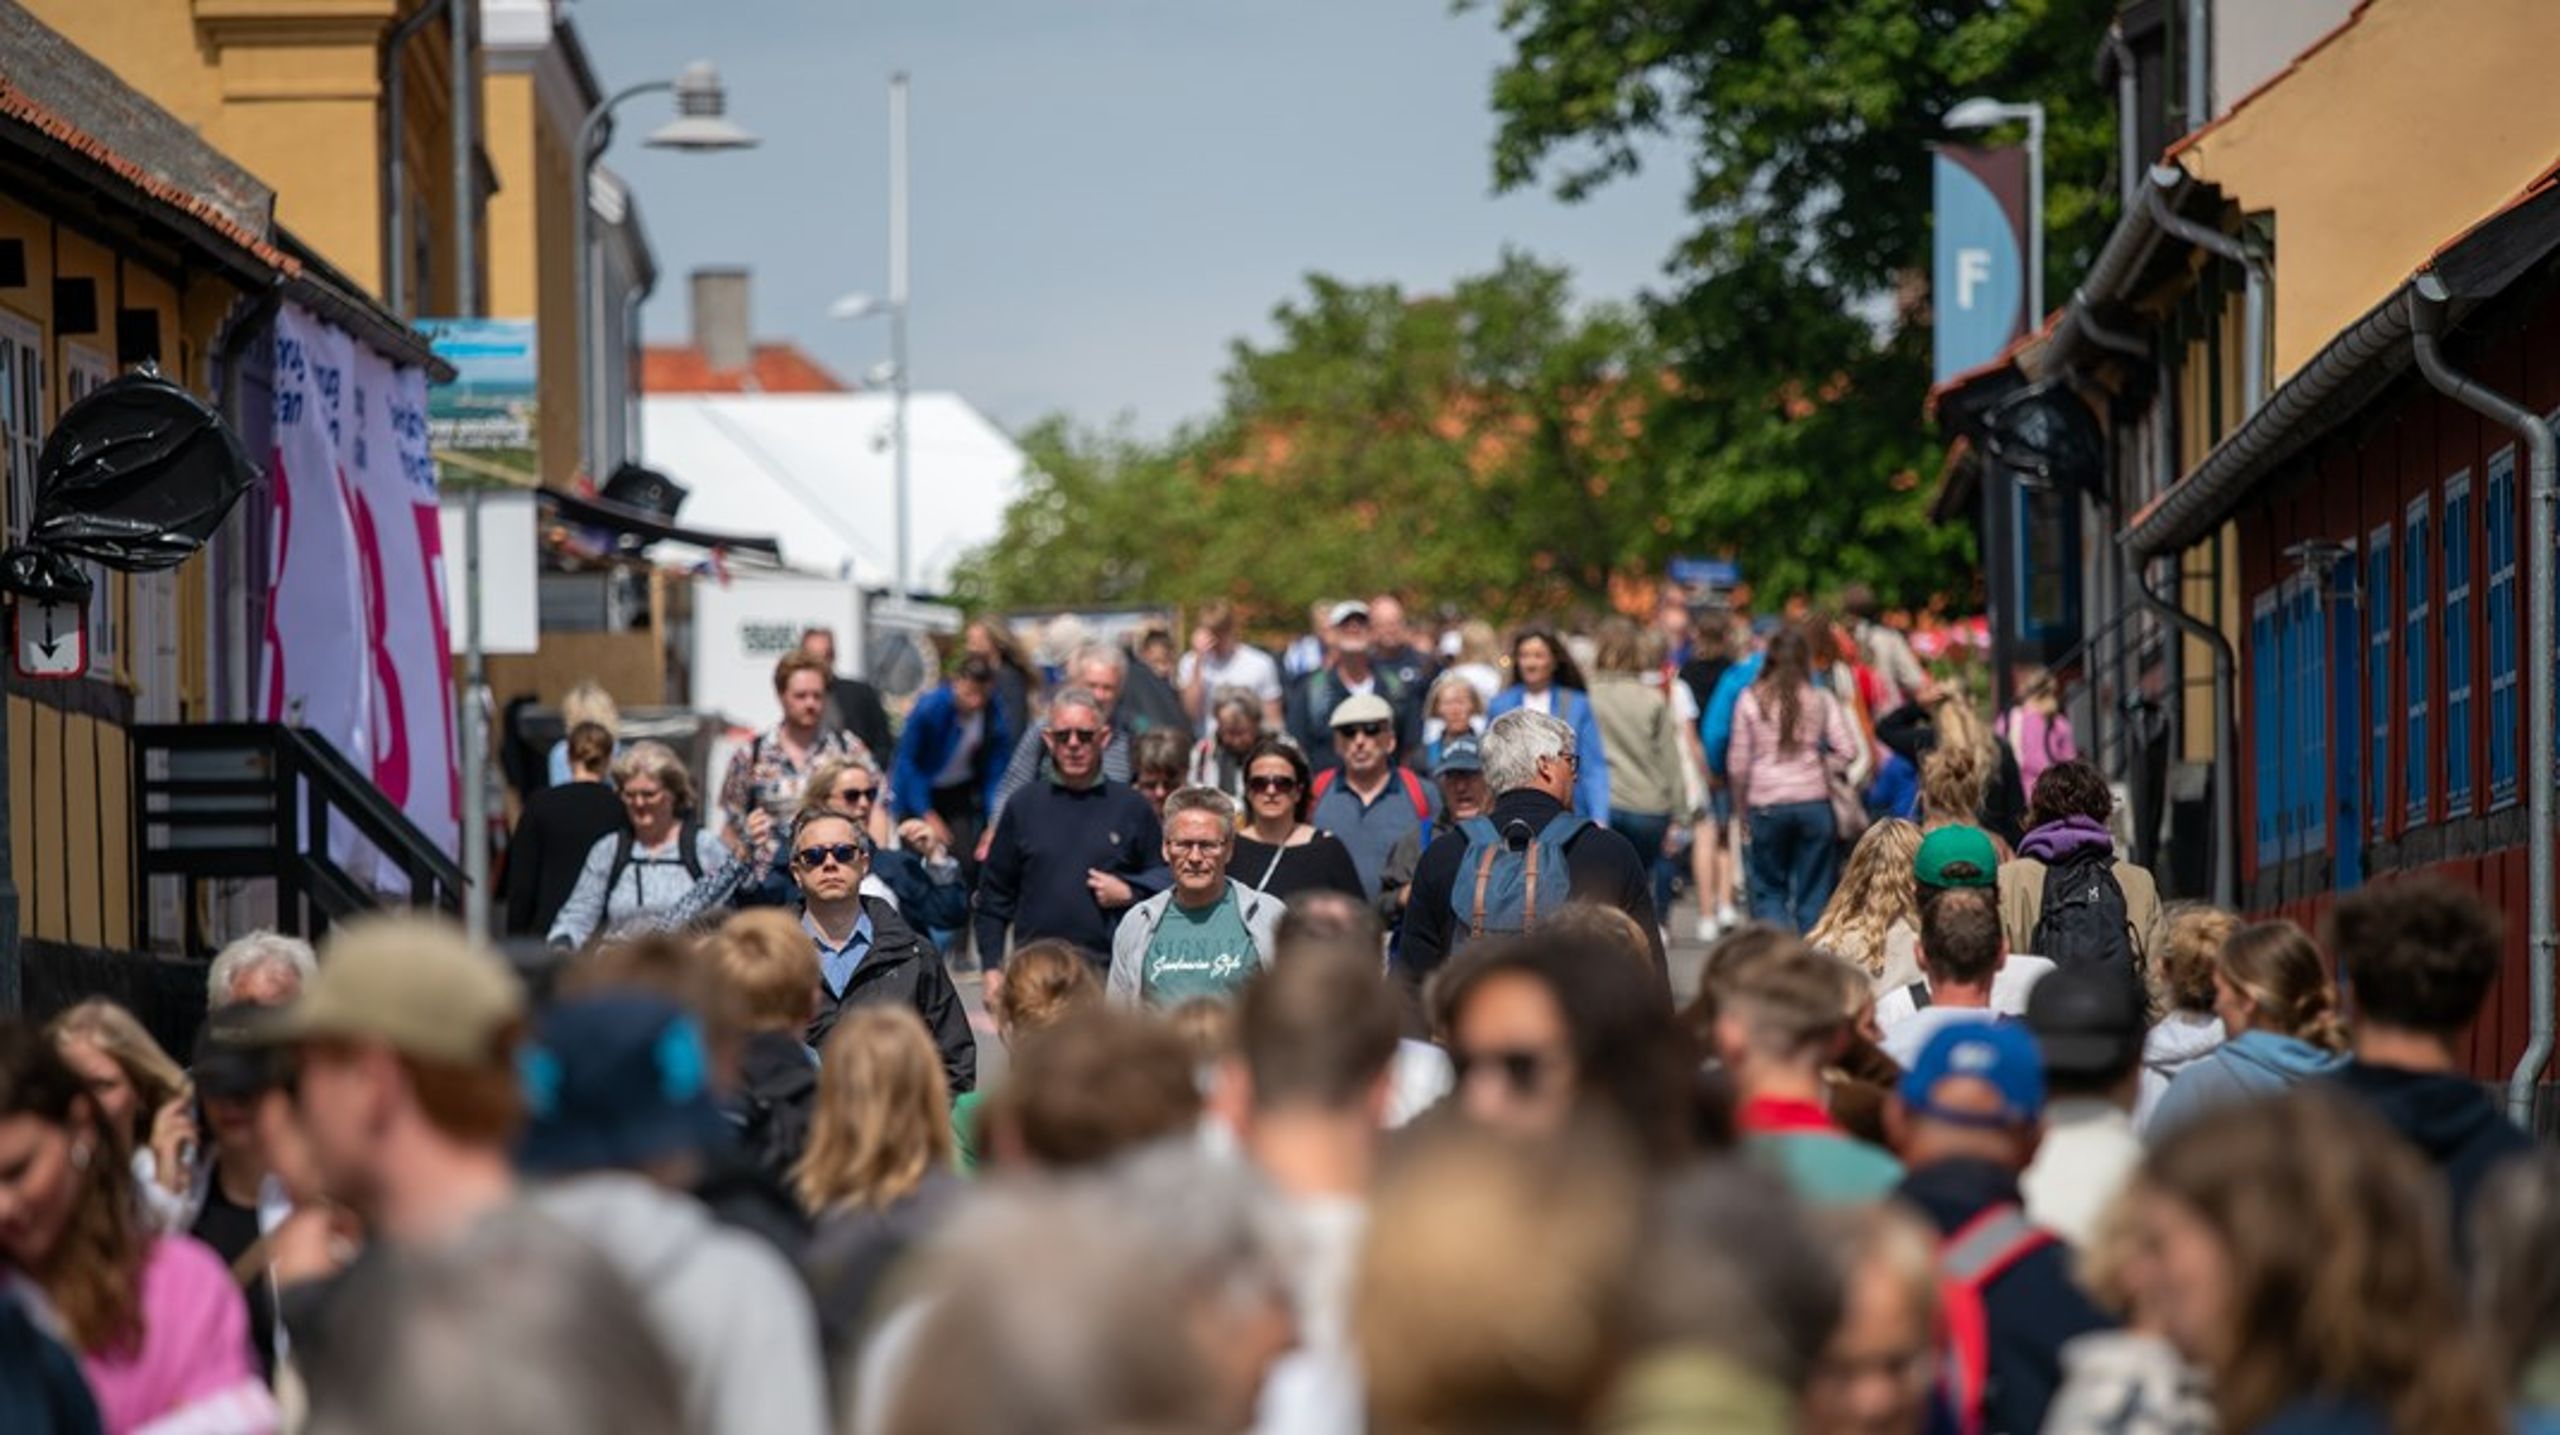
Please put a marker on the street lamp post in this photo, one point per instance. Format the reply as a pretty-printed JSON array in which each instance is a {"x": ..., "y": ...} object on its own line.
[
  {"x": 863, "y": 306},
  {"x": 1999, "y": 491},
  {"x": 700, "y": 126}
]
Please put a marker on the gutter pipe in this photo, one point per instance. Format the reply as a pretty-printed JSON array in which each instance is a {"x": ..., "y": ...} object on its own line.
[
  {"x": 2253, "y": 321},
  {"x": 2226, "y": 854},
  {"x": 2128, "y": 100},
  {"x": 395, "y": 264},
  {"x": 2427, "y": 298}
]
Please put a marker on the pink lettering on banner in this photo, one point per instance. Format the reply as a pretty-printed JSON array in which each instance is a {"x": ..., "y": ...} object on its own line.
[
  {"x": 281, "y": 496},
  {"x": 431, "y": 557},
  {"x": 390, "y": 725}
]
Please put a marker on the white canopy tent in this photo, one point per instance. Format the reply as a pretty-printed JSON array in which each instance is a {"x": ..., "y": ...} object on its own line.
[{"x": 817, "y": 472}]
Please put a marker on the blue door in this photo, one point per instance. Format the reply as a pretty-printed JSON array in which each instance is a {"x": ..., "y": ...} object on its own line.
[{"x": 2347, "y": 718}]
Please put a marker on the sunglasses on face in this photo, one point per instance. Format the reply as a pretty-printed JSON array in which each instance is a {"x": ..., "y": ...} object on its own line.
[
  {"x": 1362, "y": 729},
  {"x": 1271, "y": 784},
  {"x": 1075, "y": 736},
  {"x": 843, "y": 854},
  {"x": 856, "y": 796},
  {"x": 1523, "y": 1069}
]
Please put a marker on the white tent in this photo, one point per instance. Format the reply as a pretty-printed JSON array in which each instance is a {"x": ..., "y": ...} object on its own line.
[{"x": 817, "y": 471}]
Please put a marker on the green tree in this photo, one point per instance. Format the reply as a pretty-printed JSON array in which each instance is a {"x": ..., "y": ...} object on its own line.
[
  {"x": 1488, "y": 446},
  {"x": 1797, "y": 320}
]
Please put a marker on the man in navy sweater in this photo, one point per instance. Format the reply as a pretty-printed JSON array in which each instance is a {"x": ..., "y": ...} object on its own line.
[{"x": 1072, "y": 850}]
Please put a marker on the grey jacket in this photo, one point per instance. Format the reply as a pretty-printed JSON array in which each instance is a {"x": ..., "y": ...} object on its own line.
[
  {"x": 735, "y": 1319},
  {"x": 1129, "y": 941}
]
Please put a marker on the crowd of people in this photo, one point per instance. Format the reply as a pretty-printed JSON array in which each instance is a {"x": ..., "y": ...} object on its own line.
[{"x": 1342, "y": 1085}]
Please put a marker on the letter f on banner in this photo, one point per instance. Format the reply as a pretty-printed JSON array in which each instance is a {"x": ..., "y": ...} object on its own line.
[{"x": 1973, "y": 270}]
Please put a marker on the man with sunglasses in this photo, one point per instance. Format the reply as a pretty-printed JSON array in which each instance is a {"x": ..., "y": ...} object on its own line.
[
  {"x": 867, "y": 953},
  {"x": 1531, "y": 763},
  {"x": 1071, "y": 852},
  {"x": 1371, "y": 802}
]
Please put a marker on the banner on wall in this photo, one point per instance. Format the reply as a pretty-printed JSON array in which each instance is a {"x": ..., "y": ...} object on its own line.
[
  {"x": 1978, "y": 265},
  {"x": 355, "y": 642}
]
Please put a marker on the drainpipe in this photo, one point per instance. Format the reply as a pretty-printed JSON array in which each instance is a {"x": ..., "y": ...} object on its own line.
[
  {"x": 2253, "y": 316},
  {"x": 2199, "y": 74},
  {"x": 2426, "y": 321},
  {"x": 2128, "y": 123},
  {"x": 462, "y": 123},
  {"x": 2226, "y": 856},
  {"x": 395, "y": 264}
]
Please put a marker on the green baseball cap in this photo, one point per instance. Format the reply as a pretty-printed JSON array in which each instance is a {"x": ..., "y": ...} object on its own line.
[
  {"x": 415, "y": 984},
  {"x": 1956, "y": 857}
]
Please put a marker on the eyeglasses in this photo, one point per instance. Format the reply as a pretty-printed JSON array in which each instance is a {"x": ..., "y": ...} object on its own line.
[
  {"x": 1156, "y": 784},
  {"x": 1194, "y": 847},
  {"x": 643, "y": 794},
  {"x": 1271, "y": 784},
  {"x": 1523, "y": 1068},
  {"x": 1569, "y": 759},
  {"x": 843, "y": 854},
  {"x": 1362, "y": 729},
  {"x": 1075, "y": 736}
]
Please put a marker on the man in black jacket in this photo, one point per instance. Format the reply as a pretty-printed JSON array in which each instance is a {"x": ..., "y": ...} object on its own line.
[
  {"x": 866, "y": 953},
  {"x": 853, "y": 705},
  {"x": 1072, "y": 851},
  {"x": 1530, "y": 762}
]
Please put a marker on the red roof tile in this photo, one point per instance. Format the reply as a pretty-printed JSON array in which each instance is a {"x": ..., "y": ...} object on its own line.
[{"x": 772, "y": 369}]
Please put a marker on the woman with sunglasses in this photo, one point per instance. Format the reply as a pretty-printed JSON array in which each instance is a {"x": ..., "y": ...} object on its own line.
[
  {"x": 1545, "y": 1029},
  {"x": 1278, "y": 852}
]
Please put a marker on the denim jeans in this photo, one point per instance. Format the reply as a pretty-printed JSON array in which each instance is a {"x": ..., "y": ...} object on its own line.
[
  {"x": 1647, "y": 830},
  {"x": 1793, "y": 863}
]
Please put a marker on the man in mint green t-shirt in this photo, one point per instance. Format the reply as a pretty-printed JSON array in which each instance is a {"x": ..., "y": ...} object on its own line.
[{"x": 1206, "y": 935}]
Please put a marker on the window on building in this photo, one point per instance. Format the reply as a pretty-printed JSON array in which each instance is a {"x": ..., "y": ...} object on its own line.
[
  {"x": 2309, "y": 707},
  {"x": 2461, "y": 560},
  {"x": 2381, "y": 614},
  {"x": 22, "y": 415},
  {"x": 2505, "y": 721},
  {"x": 2416, "y": 553}
]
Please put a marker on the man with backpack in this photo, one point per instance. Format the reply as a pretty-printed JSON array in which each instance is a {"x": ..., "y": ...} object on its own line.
[
  {"x": 1371, "y": 801},
  {"x": 1534, "y": 857},
  {"x": 1967, "y": 1120},
  {"x": 2066, "y": 896}
]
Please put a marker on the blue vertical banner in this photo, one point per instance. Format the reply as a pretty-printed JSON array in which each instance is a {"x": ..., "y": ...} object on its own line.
[{"x": 1978, "y": 270}]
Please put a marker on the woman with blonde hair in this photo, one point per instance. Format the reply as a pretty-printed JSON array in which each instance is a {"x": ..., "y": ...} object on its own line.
[
  {"x": 1873, "y": 918},
  {"x": 1043, "y": 982},
  {"x": 877, "y": 1175},
  {"x": 142, "y": 1099},
  {"x": 2275, "y": 1001},
  {"x": 588, "y": 702},
  {"x": 2190, "y": 1026},
  {"x": 2304, "y": 1257}
]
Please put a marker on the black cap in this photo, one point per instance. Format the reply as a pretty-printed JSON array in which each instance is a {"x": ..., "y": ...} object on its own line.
[
  {"x": 231, "y": 1059},
  {"x": 2088, "y": 1022}
]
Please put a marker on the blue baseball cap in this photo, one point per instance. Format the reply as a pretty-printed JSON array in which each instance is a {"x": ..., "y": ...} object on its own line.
[
  {"x": 616, "y": 1081},
  {"x": 1460, "y": 754},
  {"x": 1999, "y": 1053}
]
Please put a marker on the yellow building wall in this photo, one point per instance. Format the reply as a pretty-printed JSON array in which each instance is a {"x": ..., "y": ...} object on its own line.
[
  {"x": 2410, "y": 124},
  {"x": 533, "y": 256},
  {"x": 292, "y": 90}
]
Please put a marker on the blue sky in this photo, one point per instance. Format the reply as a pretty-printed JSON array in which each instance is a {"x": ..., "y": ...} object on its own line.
[{"x": 1106, "y": 192}]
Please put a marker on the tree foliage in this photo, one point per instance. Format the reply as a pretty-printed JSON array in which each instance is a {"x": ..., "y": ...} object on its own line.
[
  {"x": 1488, "y": 446},
  {"x": 1798, "y": 323}
]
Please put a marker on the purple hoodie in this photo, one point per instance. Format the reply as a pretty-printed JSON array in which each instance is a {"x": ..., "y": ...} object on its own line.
[{"x": 2066, "y": 837}]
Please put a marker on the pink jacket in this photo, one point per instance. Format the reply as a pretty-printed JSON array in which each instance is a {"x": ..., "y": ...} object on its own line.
[
  {"x": 1764, "y": 775},
  {"x": 194, "y": 1356}
]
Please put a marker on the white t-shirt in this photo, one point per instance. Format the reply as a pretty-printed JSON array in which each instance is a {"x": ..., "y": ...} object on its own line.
[
  {"x": 1908, "y": 1026},
  {"x": 1249, "y": 668}
]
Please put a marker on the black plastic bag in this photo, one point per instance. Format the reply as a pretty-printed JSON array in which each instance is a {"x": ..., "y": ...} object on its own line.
[{"x": 136, "y": 476}]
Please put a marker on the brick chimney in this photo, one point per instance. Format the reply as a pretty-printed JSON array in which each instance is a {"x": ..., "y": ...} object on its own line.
[{"x": 723, "y": 322}]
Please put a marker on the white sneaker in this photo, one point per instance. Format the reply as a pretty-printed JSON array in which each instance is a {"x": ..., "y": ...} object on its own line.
[
  {"x": 1726, "y": 918},
  {"x": 1708, "y": 927}
]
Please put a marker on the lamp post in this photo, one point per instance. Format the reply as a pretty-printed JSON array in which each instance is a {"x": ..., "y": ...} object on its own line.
[
  {"x": 1981, "y": 113},
  {"x": 863, "y": 306},
  {"x": 701, "y": 126}
]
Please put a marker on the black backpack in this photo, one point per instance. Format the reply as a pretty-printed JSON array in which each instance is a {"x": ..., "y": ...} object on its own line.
[
  {"x": 2084, "y": 921},
  {"x": 686, "y": 833}
]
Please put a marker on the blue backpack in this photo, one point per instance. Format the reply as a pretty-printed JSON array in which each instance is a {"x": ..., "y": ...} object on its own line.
[{"x": 1507, "y": 878}]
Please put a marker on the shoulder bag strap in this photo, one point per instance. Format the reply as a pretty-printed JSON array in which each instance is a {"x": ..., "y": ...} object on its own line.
[{"x": 1484, "y": 878}]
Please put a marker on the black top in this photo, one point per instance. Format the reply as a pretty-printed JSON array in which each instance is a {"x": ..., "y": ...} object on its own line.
[
  {"x": 1603, "y": 866},
  {"x": 1320, "y": 864},
  {"x": 2451, "y": 1120},
  {"x": 1701, "y": 676},
  {"x": 1045, "y": 845},
  {"x": 560, "y": 826},
  {"x": 231, "y": 1229},
  {"x": 2033, "y": 1308},
  {"x": 860, "y": 712},
  {"x": 903, "y": 969}
]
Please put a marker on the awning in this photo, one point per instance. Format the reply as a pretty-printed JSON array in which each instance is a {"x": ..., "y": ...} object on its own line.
[{"x": 638, "y": 523}]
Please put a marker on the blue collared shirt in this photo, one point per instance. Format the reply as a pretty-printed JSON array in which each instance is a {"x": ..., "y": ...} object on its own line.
[{"x": 837, "y": 964}]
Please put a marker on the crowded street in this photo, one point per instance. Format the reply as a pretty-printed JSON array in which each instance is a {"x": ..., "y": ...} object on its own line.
[{"x": 1295, "y": 717}]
